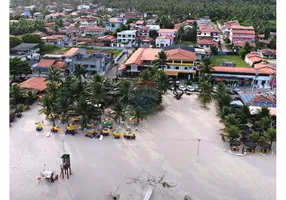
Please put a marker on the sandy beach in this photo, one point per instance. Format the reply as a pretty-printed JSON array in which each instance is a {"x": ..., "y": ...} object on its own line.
[{"x": 166, "y": 144}]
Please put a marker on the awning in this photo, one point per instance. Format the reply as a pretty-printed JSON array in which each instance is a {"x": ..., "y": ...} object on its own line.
[
  {"x": 171, "y": 73},
  {"x": 122, "y": 67}
]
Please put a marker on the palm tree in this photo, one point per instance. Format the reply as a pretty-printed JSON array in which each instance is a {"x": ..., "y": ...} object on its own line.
[
  {"x": 48, "y": 106},
  {"x": 231, "y": 120},
  {"x": 146, "y": 75},
  {"x": 54, "y": 75},
  {"x": 205, "y": 95},
  {"x": 231, "y": 132},
  {"x": 244, "y": 114},
  {"x": 63, "y": 106},
  {"x": 255, "y": 137},
  {"x": 30, "y": 96},
  {"x": 205, "y": 66},
  {"x": 223, "y": 99},
  {"x": 224, "y": 112},
  {"x": 163, "y": 81},
  {"x": 124, "y": 89},
  {"x": 87, "y": 110},
  {"x": 270, "y": 136},
  {"x": 161, "y": 61},
  {"x": 263, "y": 124},
  {"x": 15, "y": 94},
  {"x": 79, "y": 72},
  {"x": 139, "y": 113},
  {"x": 119, "y": 112}
]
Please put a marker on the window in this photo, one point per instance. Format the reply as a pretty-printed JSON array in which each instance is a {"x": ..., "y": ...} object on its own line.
[
  {"x": 176, "y": 67},
  {"x": 186, "y": 68},
  {"x": 205, "y": 34}
]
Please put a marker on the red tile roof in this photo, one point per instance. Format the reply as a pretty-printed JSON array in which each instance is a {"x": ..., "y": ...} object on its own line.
[
  {"x": 45, "y": 63},
  {"x": 88, "y": 40},
  {"x": 260, "y": 36},
  {"x": 167, "y": 31},
  {"x": 243, "y": 32},
  {"x": 108, "y": 38},
  {"x": 139, "y": 22},
  {"x": 180, "y": 54},
  {"x": 243, "y": 70},
  {"x": 166, "y": 37},
  {"x": 208, "y": 30},
  {"x": 35, "y": 83},
  {"x": 49, "y": 24},
  {"x": 253, "y": 57},
  {"x": 132, "y": 25},
  {"x": 242, "y": 27},
  {"x": 95, "y": 28},
  {"x": 190, "y": 21},
  {"x": 207, "y": 42},
  {"x": 142, "y": 54},
  {"x": 71, "y": 52}
]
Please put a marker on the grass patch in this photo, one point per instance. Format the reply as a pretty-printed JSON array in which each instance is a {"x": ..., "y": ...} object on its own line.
[
  {"x": 186, "y": 43},
  {"x": 55, "y": 50},
  {"x": 219, "y": 59},
  {"x": 115, "y": 52}
]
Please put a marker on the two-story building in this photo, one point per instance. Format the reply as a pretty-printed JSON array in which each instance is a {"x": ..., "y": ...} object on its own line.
[
  {"x": 95, "y": 31},
  {"x": 143, "y": 31},
  {"x": 164, "y": 41},
  {"x": 139, "y": 23},
  {"x": 43, "y": 66},
  {"x": 180, "y": 59},
  {"x": 252, "y": 58},
  {"x": 88, "y": 21},
  {"x": 208, "y": 33},
  {"x": 114, "y": 23},
  {"x": 71, "y": 56},
  {"x": 167, "y": 32},
  {"x": 127, "y": 36},
  {"x": 242, "y": 34},
  {"x": 93, "y": 64},
  {"x": 207, "y": 44},
  {"x": 226, "y": 27}
]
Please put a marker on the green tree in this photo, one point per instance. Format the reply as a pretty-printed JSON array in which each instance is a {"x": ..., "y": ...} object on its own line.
[
  {"x": 48, "y": 106},
  {"x": 232, "y": 132},
  {"x": 32, "y": 38},
  {"x": 19, "y": 67},
  {"x": 161, "y": 61},
  {"x": 15, "y": 94},
  {"x": 205, "y": 66},
  {"x": 54, "y": 75},
  {"x": 15, "y": 41},
  {"x": 270, "y": 136},
  {"x": 205, "y": 94},
  {"x": 119, "y": 111},
  {"x": 255, "y": 137},
  {"x": 214, "y": 50},
  {"x": 79, "y": 72}
]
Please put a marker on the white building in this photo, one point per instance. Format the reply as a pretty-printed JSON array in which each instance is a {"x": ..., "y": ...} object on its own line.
[
  {"x": 167, "y": 32},
  {"x": 164, "y": 41},
  {"x": 126, "y": 36},
  {"x": 83, "y": 7},
  {"x": 154, "y": 27}
]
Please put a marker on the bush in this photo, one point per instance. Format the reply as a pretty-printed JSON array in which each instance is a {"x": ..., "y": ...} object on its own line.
[
  {"x": 47, "y": 47},
  {"x": 20, "y": 107}
]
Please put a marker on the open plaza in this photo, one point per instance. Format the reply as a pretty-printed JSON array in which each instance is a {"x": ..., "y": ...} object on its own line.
[{"x": 166, "y": 145}]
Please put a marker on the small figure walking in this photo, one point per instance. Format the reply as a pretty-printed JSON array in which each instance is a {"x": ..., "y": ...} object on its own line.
[
  {"x": 243, "y": 150},
  {"x": 62, "y": 172}
]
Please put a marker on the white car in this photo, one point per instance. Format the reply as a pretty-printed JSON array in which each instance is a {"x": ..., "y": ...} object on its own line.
[
  {"x": 190, "y": 88},
  {"x": 181, "y": 87},
  {"x": 178, "y": 82}
]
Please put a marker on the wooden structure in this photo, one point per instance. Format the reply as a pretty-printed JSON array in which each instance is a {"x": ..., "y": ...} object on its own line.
[{"x": 66, "y": 166}]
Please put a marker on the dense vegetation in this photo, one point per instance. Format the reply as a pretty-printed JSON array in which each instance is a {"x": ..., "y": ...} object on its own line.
[
  {"x": 24, "y": 26},
  {"x": 259, "y": 13}
]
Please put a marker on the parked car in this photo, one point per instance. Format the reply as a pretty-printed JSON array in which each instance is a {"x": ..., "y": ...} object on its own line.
[
  {"x": 182, "y": 88},
  {"x": 190, "y": 88}
]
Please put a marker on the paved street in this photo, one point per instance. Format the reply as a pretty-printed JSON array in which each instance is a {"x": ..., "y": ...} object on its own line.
[
  {"x": 112, "y": 72},
  {"x": 222, "y": 44}
]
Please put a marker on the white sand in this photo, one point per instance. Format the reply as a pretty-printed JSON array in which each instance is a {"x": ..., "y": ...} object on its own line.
[{"x": 166, "y": 143}]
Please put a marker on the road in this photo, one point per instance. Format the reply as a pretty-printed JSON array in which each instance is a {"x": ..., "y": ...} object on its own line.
[
  {"x": 112, "y": 72},
  {"x": 222, "y": 43}
]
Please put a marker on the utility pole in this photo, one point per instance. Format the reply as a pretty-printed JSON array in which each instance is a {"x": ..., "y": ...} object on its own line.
[{"x": 198, "y": 149}]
